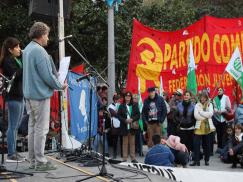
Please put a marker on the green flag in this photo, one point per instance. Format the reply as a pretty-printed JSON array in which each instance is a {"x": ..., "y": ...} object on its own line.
[
  {"x": 191, "y": 84},
  {"x": 234, "y": 67}
]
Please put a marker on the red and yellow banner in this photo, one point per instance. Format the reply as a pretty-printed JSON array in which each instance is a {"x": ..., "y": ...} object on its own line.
[{"x": 158, "y": 53}]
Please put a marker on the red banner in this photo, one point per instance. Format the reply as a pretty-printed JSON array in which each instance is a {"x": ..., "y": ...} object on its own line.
[{"x": 157, "y": 53}]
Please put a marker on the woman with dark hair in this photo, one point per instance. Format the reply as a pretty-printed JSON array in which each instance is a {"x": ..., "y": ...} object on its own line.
[
  {"x": 128, "y": 114},
  {"x": 203, "y": 113},
  {"x": 12, "y": 65},
  {"x": 186, "y": 121}
]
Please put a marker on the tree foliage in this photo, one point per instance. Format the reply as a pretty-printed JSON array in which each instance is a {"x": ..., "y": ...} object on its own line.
[{"x": 88, "y": 23}]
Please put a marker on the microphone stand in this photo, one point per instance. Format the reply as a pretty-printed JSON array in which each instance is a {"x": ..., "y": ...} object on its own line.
[
  {"x": 91, "y": 86},
  {"x": 88, "y": 159},
  {"x": 87, "y": 62},
  {"x": 103, "y": 171},
  {"x": 5, "y": 89}
]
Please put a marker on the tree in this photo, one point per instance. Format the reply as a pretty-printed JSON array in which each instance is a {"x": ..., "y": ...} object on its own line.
[{"x": 88, "y": 24}]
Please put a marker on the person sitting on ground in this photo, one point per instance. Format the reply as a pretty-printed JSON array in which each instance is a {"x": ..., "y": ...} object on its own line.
[
  {"x": 236, "y": 145},
  {"x": 179, "y": 150},
  {"x": 226, "y": 139},
  {"x": 159, "y": 154}
]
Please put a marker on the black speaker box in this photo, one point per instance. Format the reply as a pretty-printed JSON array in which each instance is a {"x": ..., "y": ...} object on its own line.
[{"x": 48, "y": 8}]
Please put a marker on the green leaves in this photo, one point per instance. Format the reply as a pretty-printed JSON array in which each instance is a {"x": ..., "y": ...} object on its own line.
[{"x": 88, "y": 24}]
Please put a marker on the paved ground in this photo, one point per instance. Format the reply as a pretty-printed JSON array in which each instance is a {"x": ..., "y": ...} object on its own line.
[{"x": 65, "y": 171}]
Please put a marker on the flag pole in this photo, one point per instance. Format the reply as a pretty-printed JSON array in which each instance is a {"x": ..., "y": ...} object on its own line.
[
  {"x": 237, "y": 93},
  {"x": 217, "y": 84},
  {"x": 161, "y": 86}
]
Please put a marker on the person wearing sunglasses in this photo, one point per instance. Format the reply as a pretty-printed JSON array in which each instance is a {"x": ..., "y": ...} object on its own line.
[{"x": 128, "y": 114}]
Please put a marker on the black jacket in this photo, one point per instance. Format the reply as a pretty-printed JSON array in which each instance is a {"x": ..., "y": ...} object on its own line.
[
  {"x": 160, "y": 105},
  {"x": 236, "y": 145},
  {"x": 10, "y": 66},
  {"x": 188, "y": 120},
  {"x": 122, "y": 116}
]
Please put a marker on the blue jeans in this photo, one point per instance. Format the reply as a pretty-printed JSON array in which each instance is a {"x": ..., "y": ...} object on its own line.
[
  {"x": 15, "y": 114},
  {"x": 98, "y": 139}
]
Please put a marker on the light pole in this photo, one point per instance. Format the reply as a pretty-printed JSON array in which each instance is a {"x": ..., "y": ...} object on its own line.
[
  {"x": 111, "y": 54},
  {"x": 66, "y": 141}
]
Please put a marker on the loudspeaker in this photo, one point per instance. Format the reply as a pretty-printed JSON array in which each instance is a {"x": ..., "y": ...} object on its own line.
[{"x": 48, "y": 8}]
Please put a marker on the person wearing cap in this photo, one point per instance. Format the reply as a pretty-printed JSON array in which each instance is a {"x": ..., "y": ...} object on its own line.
[
  {"x": 221, "y": 103},
  {"x": 153, "y": 114},
  {"x": 172, "y": 124}
]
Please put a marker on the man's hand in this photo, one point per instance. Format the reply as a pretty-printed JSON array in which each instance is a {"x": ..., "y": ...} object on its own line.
[{"x": 65, "y": 85}]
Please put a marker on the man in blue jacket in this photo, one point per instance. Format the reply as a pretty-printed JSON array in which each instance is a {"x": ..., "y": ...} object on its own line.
[
  {"x": 39, "y": 82},
  {"x": 153, "y": 114},
  {"x": 159, "y": 154}
]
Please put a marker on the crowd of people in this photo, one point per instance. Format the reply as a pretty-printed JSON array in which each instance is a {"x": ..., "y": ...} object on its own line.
[{"x": 174, "y": 128}]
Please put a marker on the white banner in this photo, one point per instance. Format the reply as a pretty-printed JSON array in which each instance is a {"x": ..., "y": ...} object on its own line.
[{"x": 187, "y": 174}]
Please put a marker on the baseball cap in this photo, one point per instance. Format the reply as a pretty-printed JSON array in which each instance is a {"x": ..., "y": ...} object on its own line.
[{"x": 151, "y": 89}]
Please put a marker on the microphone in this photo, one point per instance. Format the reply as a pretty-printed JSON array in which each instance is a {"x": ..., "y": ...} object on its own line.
[
  {"x": 83, "y": 77},
  {"x": 66, "y": 37},
  {"x": 10, "y": 82}
]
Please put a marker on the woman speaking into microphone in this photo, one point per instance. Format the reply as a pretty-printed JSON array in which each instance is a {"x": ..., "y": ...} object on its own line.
[{"x": 12, "y": 69}]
